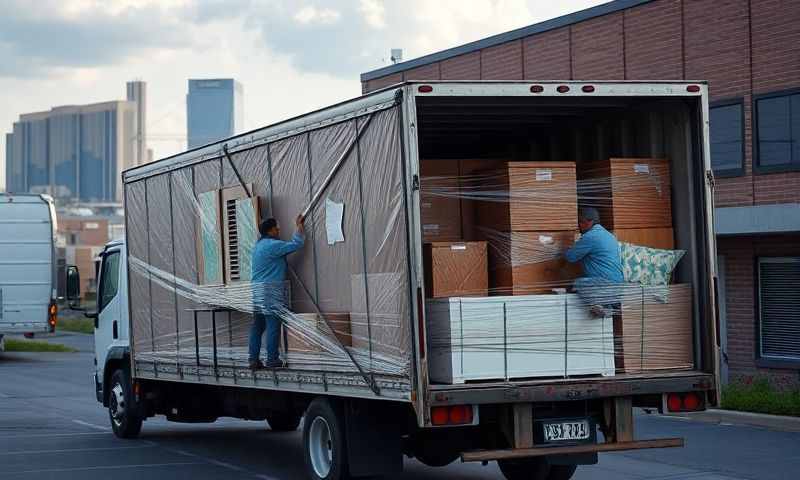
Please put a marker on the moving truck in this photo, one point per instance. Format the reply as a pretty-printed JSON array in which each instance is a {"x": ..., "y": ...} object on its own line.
[
  {"x": 366, "y": 346},
  {"x": 27, "y": 264}
]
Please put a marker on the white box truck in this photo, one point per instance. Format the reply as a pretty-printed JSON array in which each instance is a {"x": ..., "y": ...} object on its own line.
[
  {"x": 27, "y": 264},
  {"x": 175, "y": 302}
]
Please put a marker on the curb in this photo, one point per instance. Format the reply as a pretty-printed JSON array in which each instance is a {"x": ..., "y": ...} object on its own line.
[{"x": 772, "y": 422}]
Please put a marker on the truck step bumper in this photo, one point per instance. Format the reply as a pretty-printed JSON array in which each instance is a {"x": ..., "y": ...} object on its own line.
[{"x": 487, "y": 455}]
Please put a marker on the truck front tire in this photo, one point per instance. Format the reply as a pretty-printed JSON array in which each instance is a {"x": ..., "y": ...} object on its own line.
[
  {"x": 125, "y": 419},
  {"x": 324, "y": 445}
]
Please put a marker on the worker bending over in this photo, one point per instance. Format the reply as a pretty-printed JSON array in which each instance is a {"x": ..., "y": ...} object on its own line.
[
  {"x": 598, "y": 252},
  {"x": 270, "y": 287}
]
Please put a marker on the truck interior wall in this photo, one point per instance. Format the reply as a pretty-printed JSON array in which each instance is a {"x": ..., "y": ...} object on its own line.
[
  {"x": 365, "y": 275},
  {"x": 489, "y": 131}
]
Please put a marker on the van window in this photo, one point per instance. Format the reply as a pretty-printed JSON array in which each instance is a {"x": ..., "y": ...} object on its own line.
[{"x": 109, "y": 279}]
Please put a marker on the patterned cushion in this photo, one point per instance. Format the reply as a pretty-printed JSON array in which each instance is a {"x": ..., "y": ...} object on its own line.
[{"x": 648, "y": 266}]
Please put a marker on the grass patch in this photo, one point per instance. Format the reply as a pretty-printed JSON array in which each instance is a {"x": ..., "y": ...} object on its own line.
[
  {"x": 80, "y": 325},
  {"x": 760, "y": 397},
  {"x": 15, "y": 345}
]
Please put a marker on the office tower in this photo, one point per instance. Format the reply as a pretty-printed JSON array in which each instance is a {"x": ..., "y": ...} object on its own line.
[
  {"x": 214, "y": 110},
  {"x": 137, "y": 93}
]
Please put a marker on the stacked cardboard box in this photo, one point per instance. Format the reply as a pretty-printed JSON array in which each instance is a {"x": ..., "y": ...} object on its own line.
[
  {"x": 656, "y": 237},
  {"x": 629, "y": 193},
  {"x": 308, "y": 332},
  {"x": 376, "y": 310},
  {"x": 532, "y": 222},
  {"x": 656, "y": 328},
  {"x": 440, "y": 202},
  {"x": 455, "y": 269}
]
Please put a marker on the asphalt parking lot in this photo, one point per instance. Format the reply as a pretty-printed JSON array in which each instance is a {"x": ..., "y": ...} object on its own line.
[{"x": 52, "y": 427}]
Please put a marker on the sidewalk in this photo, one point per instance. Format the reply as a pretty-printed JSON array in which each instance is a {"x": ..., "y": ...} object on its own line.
[{"x": 772, "y": 422}]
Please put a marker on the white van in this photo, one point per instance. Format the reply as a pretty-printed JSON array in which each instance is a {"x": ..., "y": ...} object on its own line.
[{"x": 27, "y": 264}]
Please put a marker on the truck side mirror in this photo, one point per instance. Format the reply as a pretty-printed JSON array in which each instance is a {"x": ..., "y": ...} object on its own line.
[{"x": 73, "y": 285}]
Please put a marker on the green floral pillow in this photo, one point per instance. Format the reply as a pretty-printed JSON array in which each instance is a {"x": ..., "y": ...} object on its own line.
[{"x": 648, "y": 266}]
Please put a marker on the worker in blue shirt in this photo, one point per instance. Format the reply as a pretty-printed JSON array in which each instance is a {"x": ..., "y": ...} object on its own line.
[
  {"x": 598, "y": 252},
  {"x": 270, "y": 289}
]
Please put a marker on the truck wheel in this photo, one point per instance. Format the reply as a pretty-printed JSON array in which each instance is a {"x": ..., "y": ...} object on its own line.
[
  {"x": 125, "y": 420},
  {"x": 534, "y": 468},
  {"x": 283, "y": 421},
  {"x": 561, "y": 472},
  {"x": 324, "y": 442}
]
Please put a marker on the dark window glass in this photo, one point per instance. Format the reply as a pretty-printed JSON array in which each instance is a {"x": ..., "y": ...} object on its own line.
[
  {"x": 779, "y": 308},
  {"x": 726, "y": 137},
  {"x": 109, "y": 279},
  {"x": 778, "y": 130}
]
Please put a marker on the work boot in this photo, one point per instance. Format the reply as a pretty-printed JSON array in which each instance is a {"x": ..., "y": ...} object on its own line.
[
  {"x": 598, "y": 311},
  {"x": 256, "y": 365},
  {"x": 275, "y": 364}
]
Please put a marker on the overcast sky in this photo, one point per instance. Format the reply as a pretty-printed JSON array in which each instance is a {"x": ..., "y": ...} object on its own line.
[{"x": 290, "y": 56}]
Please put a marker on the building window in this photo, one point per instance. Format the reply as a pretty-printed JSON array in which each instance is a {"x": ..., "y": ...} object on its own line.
[
  {"x": 727, "y": 132},
  {"x": 779, "y": 308},
  {"x": 778, "y": 131}
]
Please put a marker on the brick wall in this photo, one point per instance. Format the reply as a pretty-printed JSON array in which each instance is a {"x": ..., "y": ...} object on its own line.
[
  {"x": 742, "y": 47},
  {"x": 87, "y": 232}
]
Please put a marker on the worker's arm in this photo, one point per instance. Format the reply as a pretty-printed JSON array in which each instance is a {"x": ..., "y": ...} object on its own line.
[
  {"x": 281, "y": 248},
  {"x": 581, "y": 248}
]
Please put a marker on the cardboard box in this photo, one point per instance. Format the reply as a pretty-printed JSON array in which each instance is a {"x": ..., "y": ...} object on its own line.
[
  {"x": 383, "y": 333},
  {"x": 628, "y": 192},
  {"x": 456, "y": 269},
  {"x": 530, "y": 196},
  {"x": 655, "y": 237},
  {"x": 474, "y": 181},
  {"x": 523, "y": 263},
  {"x": 307, "y": 331},
  {"x": 382, "y": 330},
  {"x": 440, "y": 202},
  {"x": 655, "y": 335}
]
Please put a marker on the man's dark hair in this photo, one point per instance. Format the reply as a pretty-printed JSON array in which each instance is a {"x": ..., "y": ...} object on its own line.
[
  {"x": 589, "y": 213},
  {"x": 267, "y": 225}
]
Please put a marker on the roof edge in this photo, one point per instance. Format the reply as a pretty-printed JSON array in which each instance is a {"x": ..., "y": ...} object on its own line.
[{"x": 558, "y": 22}]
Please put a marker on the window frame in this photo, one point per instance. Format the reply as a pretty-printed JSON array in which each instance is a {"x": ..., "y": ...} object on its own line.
[
  {"x": 757, "y": 168},
  {"x": 100, "y": 293},
  {"x": 762, "y": 361},
  {"x": 728, "y": 172}
]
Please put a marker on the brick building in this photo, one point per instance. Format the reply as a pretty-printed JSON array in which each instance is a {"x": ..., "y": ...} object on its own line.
[{"x": 749, "y": 52}]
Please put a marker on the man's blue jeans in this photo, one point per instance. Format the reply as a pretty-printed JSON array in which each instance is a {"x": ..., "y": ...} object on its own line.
[{"x": 272, "y": 324}]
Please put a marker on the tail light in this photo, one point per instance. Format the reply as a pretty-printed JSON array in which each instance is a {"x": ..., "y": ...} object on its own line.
[
  {"x": 52, "y": 314},
  {"x": 684, "y": 402},
  {"x": 452, "y": 415}
]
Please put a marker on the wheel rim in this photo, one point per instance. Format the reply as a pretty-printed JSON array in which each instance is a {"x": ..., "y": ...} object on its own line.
[
  {"x": 320, "y": 447},
  {"x": 116, "y": 405}
]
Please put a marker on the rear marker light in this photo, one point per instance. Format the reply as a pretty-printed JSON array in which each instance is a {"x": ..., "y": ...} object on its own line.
[
  {"x": 562, "y": 89},
  {"x": 691, "y": 401},
  {"x": 587, "y": 89},
  {"x": 693, "y": 88},
  {"x": 537, "y": 89},
  {"x": 452, "y": 415},
  {"x": 425, "y": 89},
  {"x": 674, "y": 402},
  {"x": 684, "y": 402}
]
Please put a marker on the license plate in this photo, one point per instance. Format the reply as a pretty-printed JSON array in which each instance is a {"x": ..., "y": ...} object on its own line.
[{"x": 566, "y": 431}]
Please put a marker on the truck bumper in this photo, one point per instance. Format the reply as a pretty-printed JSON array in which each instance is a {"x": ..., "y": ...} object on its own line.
[{"x": 513, "y": 453}]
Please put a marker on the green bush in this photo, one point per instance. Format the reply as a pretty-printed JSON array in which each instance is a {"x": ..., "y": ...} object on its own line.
[
  {"x": 82, "y": 325},
  {"x": 14, "y": 345},
  {"x": 758, "y": 395}
]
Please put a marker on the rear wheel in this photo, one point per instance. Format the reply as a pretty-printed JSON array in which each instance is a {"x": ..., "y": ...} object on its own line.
[
  {"x": 283, "y": 422},
  {"x": 324, "y": 442},
  {"x": 125, "y": 419},
  {"x": 534, "y": 468}
]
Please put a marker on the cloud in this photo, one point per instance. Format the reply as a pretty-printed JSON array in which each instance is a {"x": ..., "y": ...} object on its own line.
[
  {"x": 374, "y": 13},
  {"x": 310, "y": 15}
]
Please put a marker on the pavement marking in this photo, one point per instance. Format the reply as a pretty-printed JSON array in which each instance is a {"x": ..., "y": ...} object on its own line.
[
  {"x": 219, "y": 463},
  {"x": 3, "y": 437},
  {"x": 108, "y": 467},
  {"x": 68, "y": 450},
  {"x": 91, "y": 425}
]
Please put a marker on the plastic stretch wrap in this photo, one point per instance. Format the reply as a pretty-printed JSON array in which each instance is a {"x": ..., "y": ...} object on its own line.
[
  {"x": 541, "y": 315},
  {"x": 191, "y": 235}
]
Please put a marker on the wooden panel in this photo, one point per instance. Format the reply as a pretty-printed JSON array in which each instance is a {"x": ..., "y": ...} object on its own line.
[
  {"x": 656, "y": 237},
  {"x": 456, "y": 269},
  {"x": 487, "y": 455},
  {"x": 530, "y": 196},
  {"x": 440, "y": 202},
  {"x": 657, "y": 335},
  {"x": 623, "y": 419},
  {"x": 628, "y": 192},
  {"x": 472, "y": 182},
  {"x": 524, "y": 263},
  {"x": 307, "y": 330}
]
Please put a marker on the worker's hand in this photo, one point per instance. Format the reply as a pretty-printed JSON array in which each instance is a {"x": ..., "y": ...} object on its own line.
[{"x": 300, "y": 223}]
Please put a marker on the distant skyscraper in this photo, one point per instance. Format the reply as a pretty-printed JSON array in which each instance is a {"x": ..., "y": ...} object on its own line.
[
  {"x": 137, "y": 93},
  {"x": 75, "y": 152},
  {"x": 214, "y": 110}
]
